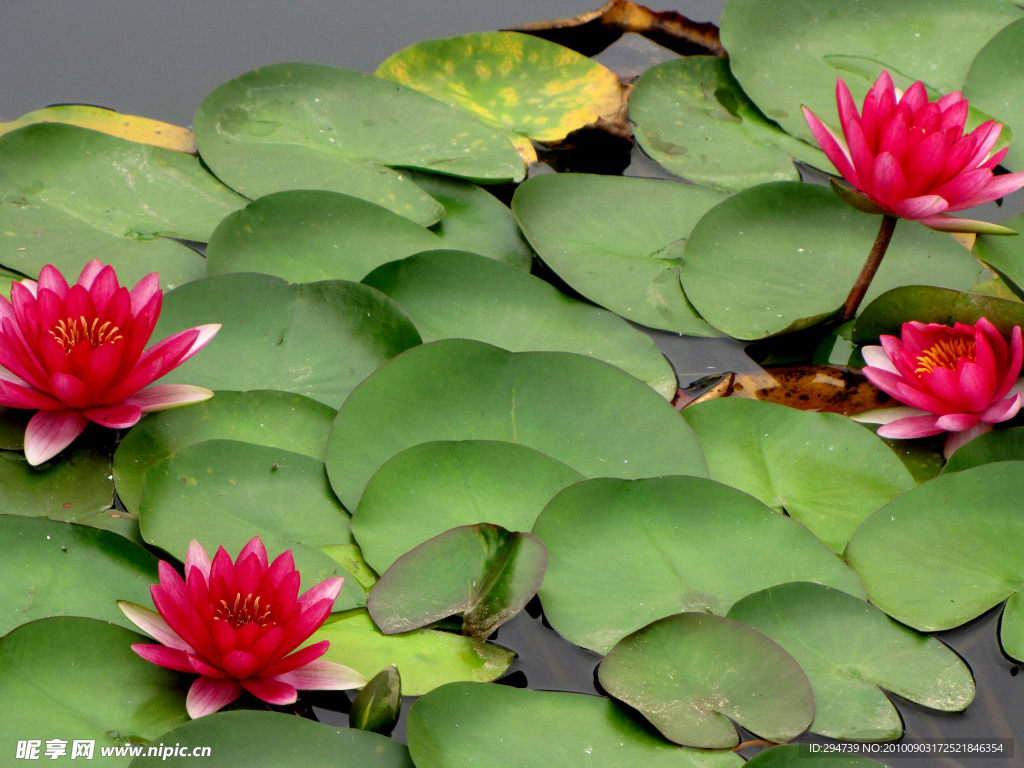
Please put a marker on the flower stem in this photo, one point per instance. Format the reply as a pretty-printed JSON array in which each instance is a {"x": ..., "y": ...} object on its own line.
[{"x": 870, "y": 267}]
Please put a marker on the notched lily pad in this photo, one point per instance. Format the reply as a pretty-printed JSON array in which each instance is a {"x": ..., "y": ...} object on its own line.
[
  {"x": 131, "y": 127},
  {"x": 995, "y": 82},
  {"x": 1004, "y": 254},
  {"x": 1000, "y": 445}
]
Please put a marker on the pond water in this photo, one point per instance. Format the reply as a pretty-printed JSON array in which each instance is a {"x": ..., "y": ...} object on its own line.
[{"x": 161, "y": 59}]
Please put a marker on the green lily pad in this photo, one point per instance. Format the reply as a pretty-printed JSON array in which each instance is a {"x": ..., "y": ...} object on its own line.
[
  {"x": 1005, "y": 254},
  {"x": 13, "y": 422},
  {"x": 782, "y": 257},
  {"x": 312, "y": 126},
  {"x": 849, "y": 649},
  {"x": 995, "y": 82},
  {"x": 797, "y": 756},
  {"x": 949, "y": 550},
  {"x": 51, "y": 568},
  {"x": 618, "y": 241},
  {"x": 8, "y": 278},
  {"x": 688, "y": 674},
  {"x": 224, "y": 492},
  {"x": 1001, "y": 445},
  {"x": 925, "y": 304},
  {"x": 535, "y": 88},
  {"x": 273, "y": 739},
  {"x": 69, "y": 194},
  {"x": 624, "y": 554},
  {"x": 426, "y": 658},
  {"x": 465, "y": 725},
  {"x": 73, "y": 678},
  {"x": 316, "y": 339},
  {"x": 822, "y": 469},
  {"x": 483, "y": 571},
  {"x": 792, "y": 56},
  {"x": 434, "y": 487},
  {"x": 459, "y": 295},
  {"x": 692, "y": 116},
  {"x": 378, "y": 705},
  {"x": 582, "y": 412},
  {"x": 278, "y": 419},
  {"x": 75, "y": 486}
]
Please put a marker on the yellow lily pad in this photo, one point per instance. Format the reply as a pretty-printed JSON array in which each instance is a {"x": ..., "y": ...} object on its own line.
[{"x": 141, "y": 129}]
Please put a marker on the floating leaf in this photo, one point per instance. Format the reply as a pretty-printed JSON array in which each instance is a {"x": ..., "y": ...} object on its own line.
[
  {"x": 224, "y": 492},
  {"x": 483, "y": 571},
  {"x": 377, "y": 707},
  {"x": 688, "y": 674},
  {"x": 74, "y": 678},
  {"x": 618, "y": 241},
  {"x": 822, "y": 469},
  {"x": 463, "y": 725},
  {"x": 458, "y": 295},
  {"x": 792, "y": 56},
  {"x": 949, "y": 550},
  {"x": 624, "y": 554},
  {"x": 797, "y": 756},
  {"x": 582, "y": 412},
  {"x": 426, "y": 658},
  {"x": 821, "y": 388},
  {"x": 1001, "y": 445},
  {"x": 1005, "y": 254},
  {"x": 996, "y": 81},
  {"x": 434, "y": 487},
  {"x": 278, "y": 419},
  {"x": 50, "y": 568},
  {"x": 311, "y": 126},
  {"x": 521, "y": 83},
  {"x": 849, "y": 649},
  {"x": 131, "y": 127},
  {"x": 268, "y": 739},
  {"x": 782, "y": 257},
  {"x": 68, "y": 194},
  {"x": 316, "y": 339},
  {"x": 694, "y": 118}
]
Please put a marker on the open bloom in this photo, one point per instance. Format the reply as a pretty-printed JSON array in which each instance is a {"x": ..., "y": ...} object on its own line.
[
  {"x": 911, "y": 157},
  {"x": 75, "y": 354},
  {"x": 960, "y": 380},
  {"x": 235, "y": 624}
]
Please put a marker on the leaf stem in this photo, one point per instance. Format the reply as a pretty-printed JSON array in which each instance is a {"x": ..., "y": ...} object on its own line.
[{"x": 870, "y": 267}]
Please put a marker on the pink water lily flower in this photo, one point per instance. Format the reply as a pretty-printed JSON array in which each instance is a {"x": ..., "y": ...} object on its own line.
[
  {"x": 911, "y": 158},
  {"x": 237, "y": 625},
  {"x": 959, "y": 380},
  {"x": 77, "y": 354}
]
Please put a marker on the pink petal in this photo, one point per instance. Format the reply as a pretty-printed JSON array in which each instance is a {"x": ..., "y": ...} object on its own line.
[
  {"x": 15, "y": 396},
  {"x": 999, "y": 186},
  {"x": 1014, "y": 363},
  {"x": 240, "y": 664},
  {"x": 859, "y": 154},
  {"x": 51, "y": 279},
  {"x": 6, "y": 375},
  {"x": 881, "y": 92},
  {"x": 322, "y": 676},
  {"x": 172, "y": 584},
  {"x": 847, "y": 108},
  {"x": 919, "y": 207},
  {"x": 988, "y": 135},
  {"x": 31, "y": 285},
  {"x": 977, "y": 385},
  {"x": 208, "y": 695},
  {"x": 114, "y": 416},
  {"x": 830, "y": 145},
  {"x": 997, "y": 158},
  {"x": 89, "y": 273},
  {"x": 296, "y": 660},
  {"x": 302, "y": 625},
  {"x": 956, "y": 440},
  {"x": 197, "y": 558},
  {"x": 885, "y": 380},
  {"x": 144, "y": 290},
  {"x": 254, "y": 547},
  {"x": 965, "y": 186},
  {"x": 50, "y": 432},
  {"x": 71, "y": 390},
  {"x": 271, "y": 691},
  {"x": 153, "y": 624},
  {"x": 103, "y": 288},
  {"x": 887, "y": 180},
  {"x": 165, "y": 657},
  {"x": 206, "y": 334},
  {"x": 910, "y": 396},
  {"x": 202, "y": 668},
  {"x": 910, "y": 427},
  {"x": 163, "y": 397},
  {"x": 916, "y": 97},
  {"x": 325, "y": 590},
  {"x": 957, "y": 422},
  {"x": 1003, "y": 410}
]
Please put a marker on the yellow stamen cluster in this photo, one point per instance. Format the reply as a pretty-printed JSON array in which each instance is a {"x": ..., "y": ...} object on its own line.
[
  {"x": 68, "y": 333},
  {"x": 242, "y": 613},
  {"x": 945, "y": 354}
]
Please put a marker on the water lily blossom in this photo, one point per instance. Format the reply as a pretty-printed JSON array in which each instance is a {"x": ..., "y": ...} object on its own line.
[
  {"x": 77, "y": 354},
  {"x": 959, "y": 380},
  {"x": 237, "y": 625}
]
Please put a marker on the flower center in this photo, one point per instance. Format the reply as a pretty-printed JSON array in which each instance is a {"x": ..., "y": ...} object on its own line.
[
  {"x": 69, "y": 332},
  {"x": 243, "y": 611},
  {"x": 945, "y": 354}
]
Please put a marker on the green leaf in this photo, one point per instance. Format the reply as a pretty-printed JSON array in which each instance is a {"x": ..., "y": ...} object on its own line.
[
  {"x": 1001, "y": 445},
  {"x": 316, "y": 339},
  {"x": 224, "y": 492},
  {"x": 464, "y": 725},
  {"x": 8, "y": 278},
  {"x": 377, "y": 707},
  {"x": 688, "y": 674},
  {"x": 50, "y": 568},
  {"x": 618, "y": 241},
  {"x": 949, "y": 550},
  {"x": 849, "y": 649},
  {"x": 73, "y": 678},
  {"x": 483, "y": 571},
  {"x": 796, "y": 756},
  {"x": 69, "y": 194},
  {"x": 311, "y": 126},
  {"x": 458, "y": 295},
  {"x": 624, "y": 554},
  {"x": 434, "y": 487},
  {"x": 792, "y": 56},
  {"x": 426, "y": 658},
  {"x": 278, "y": 419},
  {"x": 692, "y": 116},
  {"x": 995, "y": 82},
  {"x": 582, "y": 412},
  {"x": 1005, "y": 255},
  {"x": 782, "y": 257},
  {"x": 273, "y": 739},
  {"x": 822, "y": 469},
  {"x": 522, "y": 83},
  {"x": 888, "y": 313}
]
